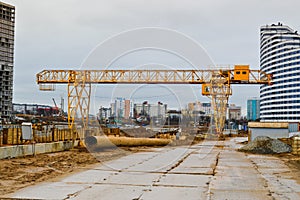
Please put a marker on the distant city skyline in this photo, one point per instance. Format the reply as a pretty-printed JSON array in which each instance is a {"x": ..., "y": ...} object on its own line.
[{"x": 64, "y": 37}]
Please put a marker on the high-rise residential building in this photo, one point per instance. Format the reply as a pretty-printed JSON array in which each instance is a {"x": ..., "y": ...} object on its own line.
[
  {"x": 122, "y": 108},
  {"x": 152, "y": 110},
  {"x": 104, "y": 113},
  {"x": 234, "y": 112},
  {"x": 198, "y": 106},
  {"x": 118, "y": 107},
  {"x": 206, "y": 108},
  {"x": 280, "y": 56},
  {"x": 253, "y": 109},
  {"x": 7, "y": 26},
  {"x": 127, "y": 109}
]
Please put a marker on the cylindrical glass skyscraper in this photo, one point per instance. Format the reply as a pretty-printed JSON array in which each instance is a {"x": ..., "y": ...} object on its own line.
[{"x": 280, "y": 56}]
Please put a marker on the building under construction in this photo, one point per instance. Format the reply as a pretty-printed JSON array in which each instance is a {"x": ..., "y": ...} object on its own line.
[{"x": 7, "y": 26}]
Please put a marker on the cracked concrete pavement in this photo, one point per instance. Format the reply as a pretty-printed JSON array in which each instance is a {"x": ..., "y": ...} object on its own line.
[{"x": 209, "y": 170}]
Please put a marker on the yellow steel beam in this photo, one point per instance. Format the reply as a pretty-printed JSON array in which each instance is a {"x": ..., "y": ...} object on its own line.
[{"x": 144, "y": 76}]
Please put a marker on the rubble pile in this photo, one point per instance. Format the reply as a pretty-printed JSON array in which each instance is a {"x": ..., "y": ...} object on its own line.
[{"x": 266, "y": 145}]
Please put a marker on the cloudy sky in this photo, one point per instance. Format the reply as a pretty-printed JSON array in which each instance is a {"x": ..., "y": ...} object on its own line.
[{"x": 63, "y": 34}]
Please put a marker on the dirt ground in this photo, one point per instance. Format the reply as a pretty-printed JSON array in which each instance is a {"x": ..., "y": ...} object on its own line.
[{"x": 21, "y": 172}]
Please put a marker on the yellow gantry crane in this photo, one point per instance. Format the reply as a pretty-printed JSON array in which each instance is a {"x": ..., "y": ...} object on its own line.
[{"x": 216, "y": 84}]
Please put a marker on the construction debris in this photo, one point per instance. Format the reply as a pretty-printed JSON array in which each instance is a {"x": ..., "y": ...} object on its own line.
[{"x": 266, "y": 145}]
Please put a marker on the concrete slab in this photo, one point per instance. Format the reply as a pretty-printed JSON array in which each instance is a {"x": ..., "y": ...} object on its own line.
[
  {"x": 292, "y": 184},
  {"x": 206, "y": 150},
  {"x": 155, "y": 166},
  {"x": 58, "y": 190},
  {"x": 161, "y": 163},
  {"x": 89, "y": 177},
  {"x": 289, "y": 196},
  {"x": 274, "y": 171},
  {"x": 192, "y": 170},
  {"x": 268, "y": 162},
  {"x": 184, "y": 180},
  {"x": 111, "y": 192},
  {"x": 205, "y": 154},
  {"x": 278, "y": 177},
  {"x": 278, "y": 188},
  {"x": 127, "y": 161},
  {"x": 233, "y": 164},
  {"x": 171, "y": 193},
  {"x": 208, "y": 143},
  {"x": 237, "y": 183},
  {"x": 196, "y": 164},
  {"x": 238, "y": 195},
  {"x": 134, "y": 178},
  {"x": 236, "y": 171},
  {"x": 196, "y": 160},
  {"x": 231, "y": 155}
]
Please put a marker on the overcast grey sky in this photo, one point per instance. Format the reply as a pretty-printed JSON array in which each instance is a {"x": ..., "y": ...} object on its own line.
[{"x": 60, "y": 34}]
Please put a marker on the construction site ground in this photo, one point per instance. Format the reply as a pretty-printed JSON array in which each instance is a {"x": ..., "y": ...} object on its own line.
[
  {"x": 22, "y": 172},
  {"x": 17, "y": 173}
]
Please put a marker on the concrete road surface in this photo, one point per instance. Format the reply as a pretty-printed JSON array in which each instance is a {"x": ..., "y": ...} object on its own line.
[{"x": 210, "y": 170}]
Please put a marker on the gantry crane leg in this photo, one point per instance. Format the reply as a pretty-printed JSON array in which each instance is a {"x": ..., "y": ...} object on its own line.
[
  {"x": 219, "y": 108},
  {"x": 78, "y": 100},
  {"x": 219, "y": 92}
]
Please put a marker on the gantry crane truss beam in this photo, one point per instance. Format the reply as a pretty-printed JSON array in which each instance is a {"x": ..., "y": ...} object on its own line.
[
  {"x": 79, "y": 85},
  {"x": 142, "y": 76}
]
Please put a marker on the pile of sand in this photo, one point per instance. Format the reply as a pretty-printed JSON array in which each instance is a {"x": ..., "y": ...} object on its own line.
[{"x": 266, "y": 145}]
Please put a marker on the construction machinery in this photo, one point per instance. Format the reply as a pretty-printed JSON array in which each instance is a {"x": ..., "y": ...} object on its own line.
[{"x": 216, "y": 84}]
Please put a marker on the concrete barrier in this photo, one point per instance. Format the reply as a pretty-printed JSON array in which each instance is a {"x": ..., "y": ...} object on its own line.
[{"x": 32, "y": 149}]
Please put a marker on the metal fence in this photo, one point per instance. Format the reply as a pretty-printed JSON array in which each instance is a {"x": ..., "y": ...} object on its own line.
[{"x": 12, "y": 134}]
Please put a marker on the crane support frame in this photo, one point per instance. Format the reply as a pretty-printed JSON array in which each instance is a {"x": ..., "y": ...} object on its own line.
[{"x": 217, "y": 80}]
